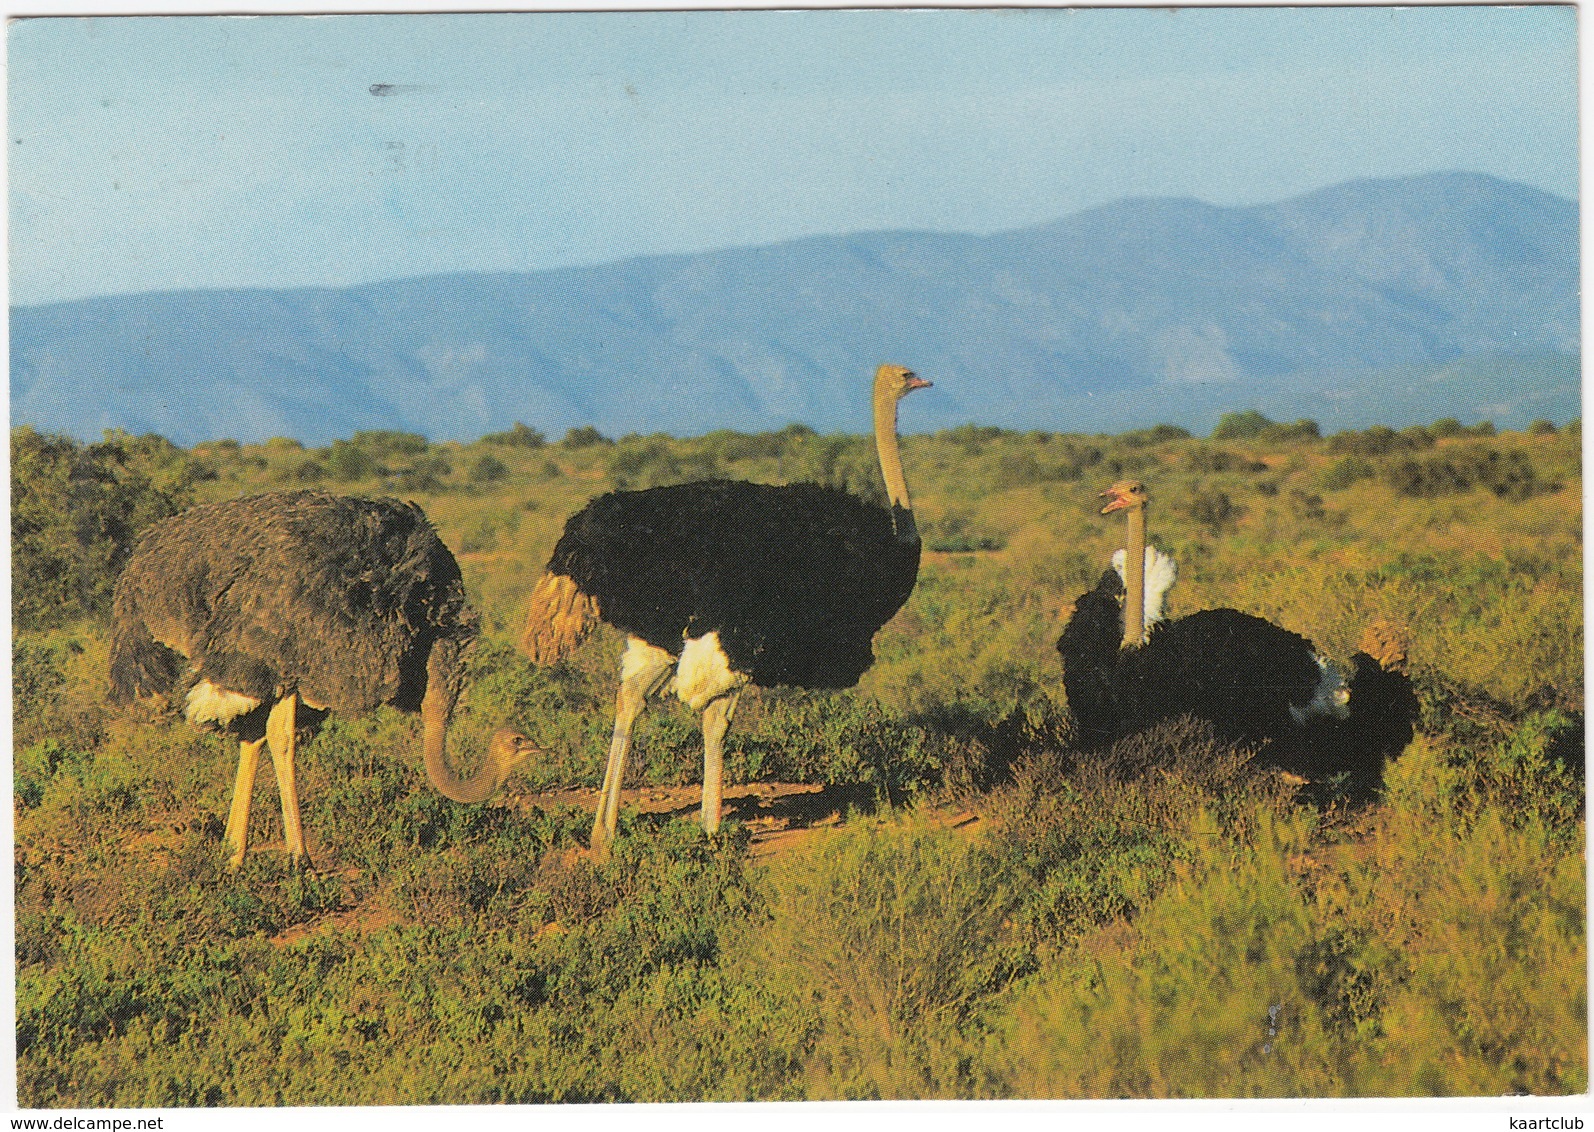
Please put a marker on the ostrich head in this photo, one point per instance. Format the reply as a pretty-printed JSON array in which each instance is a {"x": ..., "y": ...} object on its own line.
[
  {"x": 1123, "y": 495},
  {"x": 896, "y": 382},
  {"x": 508, "y": 749},
  {"x": 1330, "y": 699}
]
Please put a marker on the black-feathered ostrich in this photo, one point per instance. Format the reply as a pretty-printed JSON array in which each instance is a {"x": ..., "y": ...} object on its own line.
[
  {"x": 1252, "y": 681},
  {"x": 250, "y": 607},
  {"x": 727, "y": 583}
]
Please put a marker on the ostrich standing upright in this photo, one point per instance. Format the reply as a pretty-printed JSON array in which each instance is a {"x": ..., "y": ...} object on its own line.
[
  {"x": 1252, "y": 681},
  {"x": 250, "y": 607},
  {"x": 727, "y": 583}
]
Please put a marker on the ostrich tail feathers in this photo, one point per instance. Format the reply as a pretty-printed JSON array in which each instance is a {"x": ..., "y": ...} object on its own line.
[
  {"x": 1389, "y": 643},
  {"x": 140, "y": 666},
  {"x": 559, "y": 618}
]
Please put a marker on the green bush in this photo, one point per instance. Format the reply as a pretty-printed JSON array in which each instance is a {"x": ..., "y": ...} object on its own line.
[
  {"x": 1208, "y": 460},
  {"x": 520, "y": 436},
  {"x": 1157, "y": 434},
  {"x": 37, "y": 679},
  {"x": 584, "y": 437},
  {"x": 1212, "y": 509},
  {"x": 1379, "y": 440},
  {"x": 1098, "y": 841},
  {"x": 640, "y": 462},
  {"x": 1241, "y": 425},
  {"x": 487, "y": 469},
  {"x": 387, "y": 442},
  {"x": 1347, "y": 472},
  {"x": 1509, "y": 475},
  {"x": 726, "y": 447},
  {"x": 75, "y": 512},
  {"x": 972, "y": 438},
  {"x": 348, "y": 462},
  {"x": 1406, "y": 964},
  {"x": 893, "y": 935},
  {"x": 1253, "y": 426},
  {"x": 836, "y": 738},
  {"x": 1307, "y": 507},
  {"x": 306, "y": 473},
  {"x": 1209, "y": 1003},
  {"x": 1470, "y": 906}
]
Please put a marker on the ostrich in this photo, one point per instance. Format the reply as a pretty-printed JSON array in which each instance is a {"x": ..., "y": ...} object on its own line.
[
  {"x": 250, "y": 607},
  {"x": 728, "y": 583},
  {"x": 1253, "y": 681}
]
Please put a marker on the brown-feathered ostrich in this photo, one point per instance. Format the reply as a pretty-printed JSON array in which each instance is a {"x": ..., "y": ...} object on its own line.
[
  {"x": 250, "y": 607},
  {"x": 726, "y": 583},
  {"x": 1253, "y": 681}
]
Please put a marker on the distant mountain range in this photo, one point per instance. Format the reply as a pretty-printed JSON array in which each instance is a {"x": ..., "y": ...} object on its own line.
[{"x": 1389, "y": 301}]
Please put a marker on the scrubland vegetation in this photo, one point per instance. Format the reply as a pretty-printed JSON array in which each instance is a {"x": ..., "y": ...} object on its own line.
[{"x": 997, "y": 915}]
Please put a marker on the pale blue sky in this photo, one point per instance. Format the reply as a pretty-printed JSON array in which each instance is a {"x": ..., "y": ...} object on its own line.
[{"x": 159, "y": 153}]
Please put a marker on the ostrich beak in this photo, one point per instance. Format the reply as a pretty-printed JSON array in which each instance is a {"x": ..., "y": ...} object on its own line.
[
  {"x": 914, "y": 381},
  {"x": 1119, "y": 501}
]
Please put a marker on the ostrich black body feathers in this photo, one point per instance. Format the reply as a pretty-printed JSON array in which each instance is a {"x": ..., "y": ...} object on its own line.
[
  {"x": 796, "y": 579},
  {"x": 1383, "y": 720},
  {"x": 1240, "y": 673},
  {"x": 340, "y": 600},
  {"x": 1091, "y": 661}
]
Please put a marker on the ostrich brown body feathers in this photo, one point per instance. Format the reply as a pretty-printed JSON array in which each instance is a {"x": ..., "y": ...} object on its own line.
[{"x": 247, "y": 607}]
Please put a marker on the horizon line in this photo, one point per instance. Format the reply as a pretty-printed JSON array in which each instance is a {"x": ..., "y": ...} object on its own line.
[{"x": 267, "y": 288}]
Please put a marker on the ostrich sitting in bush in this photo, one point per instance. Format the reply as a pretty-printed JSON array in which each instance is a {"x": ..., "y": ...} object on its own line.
[{"x": 1254, "y": 682}]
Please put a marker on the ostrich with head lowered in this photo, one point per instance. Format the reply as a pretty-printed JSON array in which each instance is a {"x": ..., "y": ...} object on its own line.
[
  {"x": 250, "y": 608},
  {"x": 723, "y": 583},
  {"x": 1125, "y": 668}
]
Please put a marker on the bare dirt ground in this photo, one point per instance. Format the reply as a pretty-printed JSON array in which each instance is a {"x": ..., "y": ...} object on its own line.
[{"x": 779, "y": 815}]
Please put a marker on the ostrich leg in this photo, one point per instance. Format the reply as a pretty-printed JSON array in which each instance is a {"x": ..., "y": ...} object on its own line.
[
  {"x": 243, "y": 789},
  {"x": 716, "y": 724},
  {"x": 642, "y": 672},
  {"x": 281, "y": 734}
]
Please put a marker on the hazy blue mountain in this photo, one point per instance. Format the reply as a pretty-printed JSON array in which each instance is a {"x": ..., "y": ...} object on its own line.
[{"x": 1392, "y": 301}]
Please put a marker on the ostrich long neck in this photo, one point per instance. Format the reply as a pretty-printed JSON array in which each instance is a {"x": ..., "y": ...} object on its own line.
[
  {"x": 1135, "y": 580},
  {"x": 885, "y": 439},
  {"x": 436, "y": 707}
]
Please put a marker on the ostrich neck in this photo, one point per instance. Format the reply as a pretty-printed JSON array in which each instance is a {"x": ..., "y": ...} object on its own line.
[
  {"x": 885, "y": 438},
  {"x": 436, "y": 707},
  {"x": 1135, "y": 580}
]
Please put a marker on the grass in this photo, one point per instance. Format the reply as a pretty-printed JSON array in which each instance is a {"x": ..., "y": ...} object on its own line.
[
  {"x": 1423, "y": 956},
  {"x": 1162, "y": 920}
]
